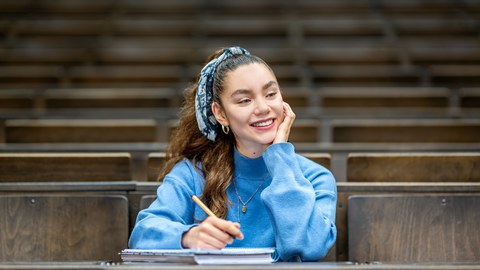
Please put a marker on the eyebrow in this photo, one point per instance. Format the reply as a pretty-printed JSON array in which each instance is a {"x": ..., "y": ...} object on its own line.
[
  {"x": 247, "y": 91},
  {"x": 269, "y": 84}
]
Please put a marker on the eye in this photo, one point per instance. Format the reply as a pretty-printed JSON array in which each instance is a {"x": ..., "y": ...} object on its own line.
[
  {"x": 244, "y": 101},
  {"x": 272, "y": 94}
]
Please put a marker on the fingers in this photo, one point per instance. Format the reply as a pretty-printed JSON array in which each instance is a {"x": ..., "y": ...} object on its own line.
[
  {"x": 283, "y": 131},
  {"x": 289, "y": 114},
  {"x": 212, "y": 233}
]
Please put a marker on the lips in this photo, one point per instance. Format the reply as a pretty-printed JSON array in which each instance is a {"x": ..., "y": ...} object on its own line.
[{"x": 263, "y": 123}]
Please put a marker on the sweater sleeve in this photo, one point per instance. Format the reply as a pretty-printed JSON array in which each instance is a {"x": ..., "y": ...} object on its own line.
[
  {"x": 162, "y": 224},
  {"x": 302, "y": 202}
]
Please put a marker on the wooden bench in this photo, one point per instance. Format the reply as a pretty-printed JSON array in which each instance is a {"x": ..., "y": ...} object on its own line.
[
  {"x": 126, "y": 75},
  {"x": 156, "y": 162},
  {"x": 406, "y": 131},
  {"x": 303, "y": 130},
  {"x": 365, "y": 75},
  {"x": 348, "y": 189},
  {"x": 17, "y": 99},
  {"x": 384, "y": 97},
  {"x": 145, "y": 192},
  {"x": 52, "y": 167},
  {"x": 346, "y": 54},
  {"x": 414, "y": 228},
  {"x": 470, "y": 98},
  {"x": 432, "y": 25},
  {"x": 80, "y": 131},
  {"x": 456, "y": 55},
  {"x": 413, "y": 167},
  {"x": 456, "y": 75},
  {"x": 62, "y": 227},
  {"x": 31, "y": 76},
  {"x": 110, "y": 98}
]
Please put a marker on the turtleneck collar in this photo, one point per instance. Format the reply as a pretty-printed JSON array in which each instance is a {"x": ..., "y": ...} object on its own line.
[{"x": 253, "y": 168}]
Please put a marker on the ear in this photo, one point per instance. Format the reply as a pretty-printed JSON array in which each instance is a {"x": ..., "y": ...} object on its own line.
[{"x": 219, "y": 114}]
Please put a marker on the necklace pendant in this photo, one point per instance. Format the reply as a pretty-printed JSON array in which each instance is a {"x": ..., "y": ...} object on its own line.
[{"x": 244, "y": 209}]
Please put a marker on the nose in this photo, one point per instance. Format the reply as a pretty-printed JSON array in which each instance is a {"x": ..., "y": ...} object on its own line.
[{"x": 262, "y": 107}]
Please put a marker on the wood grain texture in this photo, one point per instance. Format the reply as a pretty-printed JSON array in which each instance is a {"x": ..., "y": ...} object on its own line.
[
  {"x": 323, "y": 159},
  {"x": 156, "y": 162},
  {"x": 405, "y": 131},
  {"x": 49, "y": 167},
  {"x": 62, "y": 228},
  {"x": 414, "y": 229},
  {"x": 413, "y": 167},
  {"x": 79, "y": 131}
]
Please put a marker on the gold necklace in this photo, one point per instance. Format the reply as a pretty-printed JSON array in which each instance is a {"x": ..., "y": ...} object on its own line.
[{"x": 244, "y": 207}]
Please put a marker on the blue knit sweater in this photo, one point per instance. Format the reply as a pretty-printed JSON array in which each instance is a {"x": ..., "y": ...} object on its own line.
[{"x": 293, "y": 211}]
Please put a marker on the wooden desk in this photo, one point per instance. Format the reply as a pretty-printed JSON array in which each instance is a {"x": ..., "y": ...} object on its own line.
[{"x": 289, "y": 266}]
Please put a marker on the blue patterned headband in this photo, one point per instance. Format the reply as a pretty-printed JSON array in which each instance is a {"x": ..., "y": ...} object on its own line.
[{"x": 204, "y": 96}]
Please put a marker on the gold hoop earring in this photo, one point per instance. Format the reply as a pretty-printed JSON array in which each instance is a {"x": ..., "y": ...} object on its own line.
[{"x": 225, "y": 129}]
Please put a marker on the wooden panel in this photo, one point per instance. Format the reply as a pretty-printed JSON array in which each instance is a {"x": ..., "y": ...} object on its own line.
[
  {"x": 146, "y": 200},
  {"x": 387, "y": 97},
  {"x": 348, "y": 189},
  {"x": 62, "y": 228},
  {"x": 470, "y": 98},
  {"x": 406, "y": 131},
  {"x": 413, "y": 167},
  {"x": 323, "y": 159},
  {"x": 156, "y": 162},
  {"x": 79, "y": 131},
  {"x": 49, "y": 167},
  {"x": 304, "y": 130},
  {"x": 411, "y": 229},
  {"x": 110, "y": 98}
]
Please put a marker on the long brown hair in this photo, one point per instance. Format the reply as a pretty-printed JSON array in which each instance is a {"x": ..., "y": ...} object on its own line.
[{"x": 216, "y": 158}]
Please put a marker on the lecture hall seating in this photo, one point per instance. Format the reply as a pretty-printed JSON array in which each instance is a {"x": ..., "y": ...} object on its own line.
[
  {"x": 80, "y": 130},
  {"x": 62, "y": 227},
  {"x": 156, "y": 162},
  {"x": 413, "y": 167},
  {"x": 66, "y": 167},
  {"x": 390, "y": 77},
  {"x": 414, "y": 228}
]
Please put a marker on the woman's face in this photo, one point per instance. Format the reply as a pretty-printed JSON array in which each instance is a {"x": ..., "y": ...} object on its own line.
[{"x": 252, "y": 106}]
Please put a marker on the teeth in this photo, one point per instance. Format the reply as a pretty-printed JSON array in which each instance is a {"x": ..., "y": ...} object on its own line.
[{"x": 263, "y": 124}]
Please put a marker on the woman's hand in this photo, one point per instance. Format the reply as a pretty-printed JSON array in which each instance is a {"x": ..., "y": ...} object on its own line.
[
  {"x": 284, "y": 128},
  {"x": 212, "y": 233}
]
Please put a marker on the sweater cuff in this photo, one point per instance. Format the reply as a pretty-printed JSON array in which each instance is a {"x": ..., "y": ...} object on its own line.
[{"x": 279, "y": 156}]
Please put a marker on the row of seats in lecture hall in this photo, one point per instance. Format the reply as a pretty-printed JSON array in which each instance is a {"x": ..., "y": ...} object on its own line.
[
  {"x": 386, "y": 95},
  {"x": 308, "y": 43},
  {"x": 337, "y": 137},
  {"x": 361, "y": 167},
  {"x": 84, "y": 206},
  {"x": 37, "y": 131},
  {"x": 163, "y": 103}
]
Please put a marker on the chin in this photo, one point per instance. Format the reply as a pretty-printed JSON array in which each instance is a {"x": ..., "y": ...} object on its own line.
[{"x": 266, "y": 141}]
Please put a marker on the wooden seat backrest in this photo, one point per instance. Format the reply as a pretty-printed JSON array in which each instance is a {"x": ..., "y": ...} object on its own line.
[{"x": 414, "y": 228}]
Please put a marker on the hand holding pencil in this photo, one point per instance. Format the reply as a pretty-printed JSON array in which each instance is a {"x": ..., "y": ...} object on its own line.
[{"x": 212, "y": 233}]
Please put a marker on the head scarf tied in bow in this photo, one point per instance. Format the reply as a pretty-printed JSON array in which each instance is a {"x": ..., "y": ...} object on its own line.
[{"x": 203, "y": 99}]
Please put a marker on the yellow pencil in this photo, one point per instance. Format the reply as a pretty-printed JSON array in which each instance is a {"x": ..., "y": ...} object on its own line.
[
  {"x": 206, "y": 209},
  {"x": 203, "y": 206}
]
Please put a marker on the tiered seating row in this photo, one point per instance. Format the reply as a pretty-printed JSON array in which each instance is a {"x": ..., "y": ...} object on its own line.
[
  {"x": 89, "y": 44},
  {"x": 303, "y": 131},
  {"x": 105, "y": 207},
  {"x": 163, "y": 103},
  {"x": 79, "y": 222}
]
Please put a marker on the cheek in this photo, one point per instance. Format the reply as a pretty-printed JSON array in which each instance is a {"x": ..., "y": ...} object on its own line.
[{"x": 279, "y": 110}]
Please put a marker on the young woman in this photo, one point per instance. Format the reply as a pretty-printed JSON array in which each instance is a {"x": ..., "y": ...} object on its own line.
[{"x": 231, "y": 149}]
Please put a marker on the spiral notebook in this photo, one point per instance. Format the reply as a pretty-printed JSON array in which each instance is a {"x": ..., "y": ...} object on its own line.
[{"x": 200, "y": 256}]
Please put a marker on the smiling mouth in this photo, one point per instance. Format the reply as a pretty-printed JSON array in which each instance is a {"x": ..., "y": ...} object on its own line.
[{"x": 263, "y": 124}]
